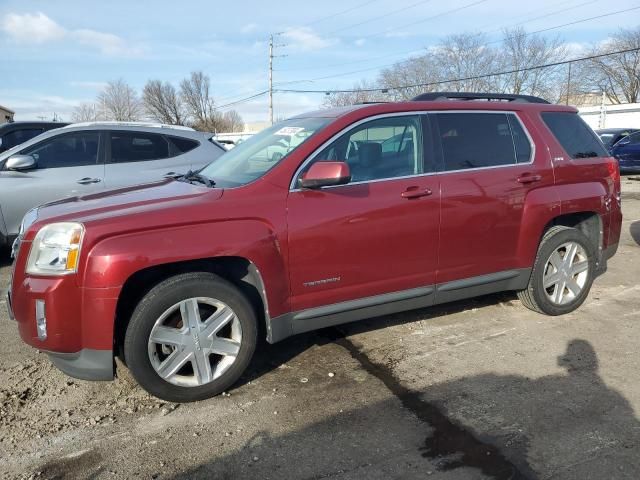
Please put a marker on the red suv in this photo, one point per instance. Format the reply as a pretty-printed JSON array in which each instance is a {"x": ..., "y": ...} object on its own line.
[{"x": 325, "y": 218}]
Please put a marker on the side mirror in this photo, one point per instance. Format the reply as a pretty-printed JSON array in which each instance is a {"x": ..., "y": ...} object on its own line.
[
  {"x": 326, "y": 174},
  {"x": 20, "y": 162}
]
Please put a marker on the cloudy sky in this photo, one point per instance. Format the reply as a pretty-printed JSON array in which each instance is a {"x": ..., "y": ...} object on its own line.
[{"x": 54, "y": 55}]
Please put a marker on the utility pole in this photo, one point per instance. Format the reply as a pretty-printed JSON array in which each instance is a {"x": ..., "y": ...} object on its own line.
[
  {"x": 271, "y": 79},
  {"x": 568, "y": 84},
  {"x": 271, "y": 57}
]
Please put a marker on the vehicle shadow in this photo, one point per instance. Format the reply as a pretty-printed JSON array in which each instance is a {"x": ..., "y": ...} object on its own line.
[
  {"x": 569, "y": 425},
  {"x": 270, "y": 357},
  {"x": 634, "y": 229}
]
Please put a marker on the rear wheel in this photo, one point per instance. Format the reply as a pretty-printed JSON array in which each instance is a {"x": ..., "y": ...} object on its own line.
[
  {"x": 562, "y": 274},
  {"x": 190, "y": 337}
]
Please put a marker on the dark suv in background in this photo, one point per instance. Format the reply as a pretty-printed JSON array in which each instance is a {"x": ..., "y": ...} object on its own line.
[{"x": 15, "y": 133}]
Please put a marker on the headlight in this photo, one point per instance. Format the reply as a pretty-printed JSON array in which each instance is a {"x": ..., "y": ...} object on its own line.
[
  {"x": 28, "y": 219},
  {"x": 56, "y": 249}
]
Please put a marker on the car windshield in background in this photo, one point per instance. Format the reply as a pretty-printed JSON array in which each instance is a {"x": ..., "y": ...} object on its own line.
[
  {"x": 257, "y": 155},
  {"x": 608, "y": 138}
]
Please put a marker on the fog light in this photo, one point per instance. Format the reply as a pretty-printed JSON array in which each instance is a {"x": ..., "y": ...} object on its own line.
[{"x": 41, "y": 320}]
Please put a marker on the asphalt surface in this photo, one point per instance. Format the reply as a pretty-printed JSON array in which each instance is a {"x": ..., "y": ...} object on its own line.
[{"x": 471, "y": 390}]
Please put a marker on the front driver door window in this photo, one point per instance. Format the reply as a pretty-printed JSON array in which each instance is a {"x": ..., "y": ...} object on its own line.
[
  {"x": 67, "y": 164},
  {"x": 377, "y": 234}
]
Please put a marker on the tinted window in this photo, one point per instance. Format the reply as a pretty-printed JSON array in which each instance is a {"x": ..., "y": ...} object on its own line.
[
  {"x": 138, "y": 147},
  {"x": 72, "y": 150},
  {"x": 17, "y": 137},
  {"x": 476, "y": 140},
  {"x": 577, "y": 139},
  {"x": 182, "y": 145},
  {"x": 385, "y": 148}
]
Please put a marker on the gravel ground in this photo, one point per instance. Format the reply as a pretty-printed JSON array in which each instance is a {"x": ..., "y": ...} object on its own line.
[{"x": 476, "y": 389}]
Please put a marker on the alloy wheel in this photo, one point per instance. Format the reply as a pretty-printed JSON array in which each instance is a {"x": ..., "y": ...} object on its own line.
[{"x": 565, "y": 273}]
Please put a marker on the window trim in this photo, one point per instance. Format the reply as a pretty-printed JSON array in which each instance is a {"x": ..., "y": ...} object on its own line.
[{"x": 424, "y": 113}]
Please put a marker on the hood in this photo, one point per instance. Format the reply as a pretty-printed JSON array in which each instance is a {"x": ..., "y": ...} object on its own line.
[{"x": 137, "y": 201}]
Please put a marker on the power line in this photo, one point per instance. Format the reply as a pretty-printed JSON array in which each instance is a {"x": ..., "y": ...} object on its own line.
[
  {"x": 407, "y": 52},
  {"x": 464, "y": 79},
  {"x": 441, "y": 14},
  {"x": 322, "y": 19},
  {"x": 243, "y": 100},
  {"x": 488, "y": 43},
  {"x": 373, "y": 19}
]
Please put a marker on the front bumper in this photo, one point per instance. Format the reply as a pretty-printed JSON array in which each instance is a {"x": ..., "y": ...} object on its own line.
[
  {"x": 87, "y": 364},
  {"x": 79, "y": 321}
]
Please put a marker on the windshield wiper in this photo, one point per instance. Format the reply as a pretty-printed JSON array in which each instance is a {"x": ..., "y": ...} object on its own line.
[{"x": 192, "y": 176}]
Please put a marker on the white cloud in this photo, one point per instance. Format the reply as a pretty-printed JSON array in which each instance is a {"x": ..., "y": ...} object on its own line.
[
  {"x": 304, "y": 39},
  {"x": 248, "y": 28},
  {"x": 37, "y": 28},
  {"x": 32, "y": 28},
  {"x": 360, "y": 42}
]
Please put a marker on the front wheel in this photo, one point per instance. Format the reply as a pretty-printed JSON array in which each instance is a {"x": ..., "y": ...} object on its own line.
[
  {"x": 190, "y": 337},
  {"x": 562, "y": 273}
]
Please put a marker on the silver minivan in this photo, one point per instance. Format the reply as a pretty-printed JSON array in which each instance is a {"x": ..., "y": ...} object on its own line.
[{"x": 92, "y": 157}]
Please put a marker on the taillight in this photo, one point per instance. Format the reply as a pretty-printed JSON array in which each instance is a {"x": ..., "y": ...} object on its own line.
[{"x": 614, "y": 173}]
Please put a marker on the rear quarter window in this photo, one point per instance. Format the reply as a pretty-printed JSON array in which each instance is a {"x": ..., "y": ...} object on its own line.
[
  {"x": 575, "y": 136},
  {"x": 182, "y": 145}
]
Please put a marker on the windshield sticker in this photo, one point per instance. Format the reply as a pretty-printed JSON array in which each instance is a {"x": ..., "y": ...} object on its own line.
[{"x": 289, "y": 130}]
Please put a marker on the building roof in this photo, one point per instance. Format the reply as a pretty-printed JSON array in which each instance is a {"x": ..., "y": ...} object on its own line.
[{"x": 6, "y": 109}]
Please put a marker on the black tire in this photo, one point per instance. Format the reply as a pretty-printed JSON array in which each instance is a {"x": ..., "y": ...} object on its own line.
[
  {"x": 534, "y": 296},
  {"x": 162, "y": 297}
]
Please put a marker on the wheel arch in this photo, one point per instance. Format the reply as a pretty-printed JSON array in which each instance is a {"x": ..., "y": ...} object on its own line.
[{"x": 240, "y": 271}]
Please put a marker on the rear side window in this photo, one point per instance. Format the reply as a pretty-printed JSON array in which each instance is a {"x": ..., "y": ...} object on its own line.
[
  {"x": 577, "y": 139},
  {"x": 182, "y": 145},
  {"x": 138, "y": 147},
  {"x": 479, "y": 140}
]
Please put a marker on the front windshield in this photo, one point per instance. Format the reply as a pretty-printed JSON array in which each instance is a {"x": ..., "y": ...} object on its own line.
[{"x": 255, "y": 156}]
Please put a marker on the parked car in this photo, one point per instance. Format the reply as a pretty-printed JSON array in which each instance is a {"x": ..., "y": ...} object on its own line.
[
  {"x": 627, "y": 151},
  {"x": 86, "y": 158},
  {"x": 179, "y": 277},
  {"x": 15, "y": 133},
  {"x": 611, "y": 136}
]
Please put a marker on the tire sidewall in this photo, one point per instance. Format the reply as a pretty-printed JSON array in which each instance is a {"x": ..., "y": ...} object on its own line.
[
  {"x": 157, "y": 301},
  {"x": 546, "y": 249}
]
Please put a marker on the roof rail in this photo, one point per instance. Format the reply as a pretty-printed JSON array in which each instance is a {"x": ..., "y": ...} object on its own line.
[
  {"x": 129, "y": 124},
  {"x": 467, "y": 96}
]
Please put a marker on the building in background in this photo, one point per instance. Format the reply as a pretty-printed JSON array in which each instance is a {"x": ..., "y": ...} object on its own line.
[
  {"x": 626, "y": 115},
  {"x": 6, "y": 115}
]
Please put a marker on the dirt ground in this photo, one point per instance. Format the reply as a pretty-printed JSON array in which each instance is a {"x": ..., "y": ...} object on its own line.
[{"x": 476, "y": 389}]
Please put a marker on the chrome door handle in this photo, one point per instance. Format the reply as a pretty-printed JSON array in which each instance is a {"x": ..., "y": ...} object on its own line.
[
  {"x": 415, "y": 192},
  {"x": 88, "y": 180}
]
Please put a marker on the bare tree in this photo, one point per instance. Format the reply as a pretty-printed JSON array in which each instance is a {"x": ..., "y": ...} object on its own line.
[
  {"x": 414, "y": 71},
  {"x": 361, "y": 94},
  {"x": 520, "y": 51},
  {"x": 120, "y": 102},
  {"x": 198, "y": 100},
  {"x": 163, "y": 103},
  {"x": 232, "y": 121},
  {"x": 618, "y": 75},
  {"x": 466, "y": 60},
  {"x": 86, "y": 112}
]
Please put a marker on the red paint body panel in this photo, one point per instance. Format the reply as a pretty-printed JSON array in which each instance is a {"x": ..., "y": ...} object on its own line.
[{"x": 316, "y": 247}]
